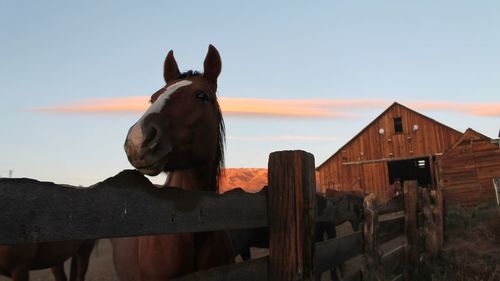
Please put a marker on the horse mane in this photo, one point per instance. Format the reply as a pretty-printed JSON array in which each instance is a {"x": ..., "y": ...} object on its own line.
[
  {"x": 219, "y": 155},
  {"x": 219, "y": 169},
  {"x": 189, "y": 73}
]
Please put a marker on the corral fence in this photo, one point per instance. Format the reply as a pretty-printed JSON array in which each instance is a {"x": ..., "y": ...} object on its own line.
[
  {"x": 496, "y": 186},
  {"x": 129, "y": 205}
]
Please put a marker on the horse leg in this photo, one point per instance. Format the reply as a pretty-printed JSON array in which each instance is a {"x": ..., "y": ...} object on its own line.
[
  {"x": 58, "y": 272},
  {"x": 82, "y": 260}
]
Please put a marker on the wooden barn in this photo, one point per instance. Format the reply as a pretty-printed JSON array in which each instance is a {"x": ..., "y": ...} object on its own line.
[
  {"x": 402, "y": 144},
  {"x": 465, "y": 171}
]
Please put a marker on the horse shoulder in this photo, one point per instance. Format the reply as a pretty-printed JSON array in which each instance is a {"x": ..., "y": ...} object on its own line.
[
  {"x": 213, "y": 249},
  {"x": 125, "y": 261},
  {"x": 162, "y": 257}
]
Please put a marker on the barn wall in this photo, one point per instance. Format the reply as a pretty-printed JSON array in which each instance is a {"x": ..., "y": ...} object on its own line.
[
  {"x": 466, "y": 171},
  {"x": 430, "y": 138}
]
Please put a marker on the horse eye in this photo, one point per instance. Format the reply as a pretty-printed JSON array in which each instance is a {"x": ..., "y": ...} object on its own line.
[{"x": 202, "y": 96}]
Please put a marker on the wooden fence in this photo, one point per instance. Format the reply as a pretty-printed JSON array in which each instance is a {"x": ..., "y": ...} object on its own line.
[
  {"x": 496, "y": 186},
  {"x": 129, "y": 205}
]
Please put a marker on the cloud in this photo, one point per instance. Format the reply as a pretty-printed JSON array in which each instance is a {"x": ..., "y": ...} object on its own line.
[
  {"x": 230, "y": 106},
  {"x": 280, "y": 108},
  {"x": 110, "y": 105},
  {"x": 283, "y": 138},
  {"x": 471, "y": 108}
]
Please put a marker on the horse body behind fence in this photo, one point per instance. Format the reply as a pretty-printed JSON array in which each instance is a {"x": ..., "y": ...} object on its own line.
[
  {"x": 182, "y": 133},
  {"x": 17, "y": 260}
]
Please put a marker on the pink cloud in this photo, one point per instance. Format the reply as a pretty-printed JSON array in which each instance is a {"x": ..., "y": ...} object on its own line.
[
  {"x": 300, "y": 108},
  {"x": 471, "y": 108},
  {"x": 283, "y": 138}
]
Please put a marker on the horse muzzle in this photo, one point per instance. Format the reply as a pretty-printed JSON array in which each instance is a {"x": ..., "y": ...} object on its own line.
[{"x": 144, "y": 151}]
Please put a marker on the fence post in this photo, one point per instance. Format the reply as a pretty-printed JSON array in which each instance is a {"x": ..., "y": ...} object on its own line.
[
  {"x": 411, "y": 231},
  {"x": 370, "y": 234},
  {"x": 291, "y": 211},
  {"x": 437, "y": 195},
  {"x": 429, "y": 229}
]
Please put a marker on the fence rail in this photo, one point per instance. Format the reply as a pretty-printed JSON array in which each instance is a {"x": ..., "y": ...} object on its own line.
[{"x": 129, "y": 205}]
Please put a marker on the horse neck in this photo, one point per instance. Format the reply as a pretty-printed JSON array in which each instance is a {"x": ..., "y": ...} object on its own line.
[
  {"x": 193, "y": 179},
  {"x": 344, "y": 211}
]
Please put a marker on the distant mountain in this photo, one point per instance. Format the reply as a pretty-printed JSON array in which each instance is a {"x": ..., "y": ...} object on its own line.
[{"x": 249, "y": 179}]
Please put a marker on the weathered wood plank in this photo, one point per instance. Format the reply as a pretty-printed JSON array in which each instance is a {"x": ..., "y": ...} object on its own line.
[
  {"x": 252, "y": 270},
  {"x": 392, "y": 260},
  {"x": 428, "y": 228},
  {"x": 370, "y": 235},
  {"x": 124, "y": 205},
  {"x": 356, "y": 275},
  {"x": 335, "y": 251},
  {"x": 411, "y": 251},
  {"x": 398, "y": 277},
  {"x": 291, "y": 197},
  {"x": 396, "y": 204},
  {"x": 390, "y": 229}
]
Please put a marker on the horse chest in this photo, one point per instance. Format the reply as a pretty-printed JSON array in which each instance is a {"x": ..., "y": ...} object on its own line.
[{"x": 161, "y": 257}]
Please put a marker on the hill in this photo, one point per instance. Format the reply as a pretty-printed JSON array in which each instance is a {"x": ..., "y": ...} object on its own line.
[{"x": 249, "y": 179}]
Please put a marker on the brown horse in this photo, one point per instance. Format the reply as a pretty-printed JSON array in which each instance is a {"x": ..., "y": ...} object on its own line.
[
  {"x": 182, "y": 133},
  {"x": 17, "y": 260}
]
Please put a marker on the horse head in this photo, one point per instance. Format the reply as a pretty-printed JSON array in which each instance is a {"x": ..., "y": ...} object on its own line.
[{"x": 183, "y": 128}]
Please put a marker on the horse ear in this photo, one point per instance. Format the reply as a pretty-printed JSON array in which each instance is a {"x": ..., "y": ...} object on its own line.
[
  {"x": 170, "y": 68},
  {"x": 212, "y": 65}
]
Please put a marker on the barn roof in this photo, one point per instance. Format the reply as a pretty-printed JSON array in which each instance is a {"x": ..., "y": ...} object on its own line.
[
  {"x": 469, "y": 134},
  {"x": 376, "y": 119}
]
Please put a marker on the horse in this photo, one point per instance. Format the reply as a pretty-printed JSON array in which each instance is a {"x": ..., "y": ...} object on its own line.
[
  {"x": 181, "y": 133},
  {"x": 17, "y": 260},
  {"x": 243, "y": 239}
]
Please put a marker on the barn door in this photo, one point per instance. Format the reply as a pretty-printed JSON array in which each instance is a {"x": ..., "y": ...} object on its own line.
[{"x": 418, "y": 169}]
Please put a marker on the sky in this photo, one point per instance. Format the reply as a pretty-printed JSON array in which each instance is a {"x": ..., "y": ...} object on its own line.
[{"x": 309, "y": 75}]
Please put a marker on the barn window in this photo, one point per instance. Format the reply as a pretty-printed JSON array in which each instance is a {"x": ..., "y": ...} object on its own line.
[{"x": 398, "y": 125}]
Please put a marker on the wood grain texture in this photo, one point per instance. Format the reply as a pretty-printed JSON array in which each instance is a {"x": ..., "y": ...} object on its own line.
[
  {"x": 438, "y": 213},
  {"x": 467, "y": 168},
  {"x": 291, "y": 201},
  {"x": 252, "y": 270},
  {"x": 124, "y": 205},
  {"x": 356, "y": 275},
  {"x": 395, "y": 204},
  {"x": 411, "y": 249},
  {"x": 338, "y": 250},
  {"x": 370, "y": 235},
  {"x": 392, "y": 261},
  {"x": 390, "y": 229}
]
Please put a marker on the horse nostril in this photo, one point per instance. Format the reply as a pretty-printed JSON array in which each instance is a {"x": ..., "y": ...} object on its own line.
[{"x": 151, "y": 139}]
